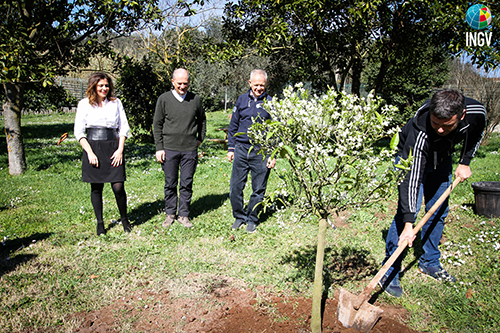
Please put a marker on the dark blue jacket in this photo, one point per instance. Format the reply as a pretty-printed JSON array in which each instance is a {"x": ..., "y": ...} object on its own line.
[{"x": 246, "y": 108}]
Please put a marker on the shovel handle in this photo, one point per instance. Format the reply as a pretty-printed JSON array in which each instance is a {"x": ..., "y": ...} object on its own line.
[{"x": 369, "y": 288}]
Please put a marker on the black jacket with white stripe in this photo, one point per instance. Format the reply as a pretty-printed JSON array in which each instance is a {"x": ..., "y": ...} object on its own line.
[{"x": 429, "y": 149}]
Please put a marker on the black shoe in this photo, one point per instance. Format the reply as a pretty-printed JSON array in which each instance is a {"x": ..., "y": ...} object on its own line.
[
  {"x": 237, "y": 224},
  {"x": 126, "y": 226},
  {"x": 437, "y": 272},
  {"x": 251, "y": 226},
  {"x": 100, "y": 229}
]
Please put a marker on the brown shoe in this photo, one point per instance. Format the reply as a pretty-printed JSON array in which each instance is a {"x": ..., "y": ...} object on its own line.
[
  {"x": 184, "y": 220},
  {"x": 168, "y": 221}
]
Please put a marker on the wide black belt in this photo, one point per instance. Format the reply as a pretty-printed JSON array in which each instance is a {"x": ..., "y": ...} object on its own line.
[{"x": 101, "y": 133}]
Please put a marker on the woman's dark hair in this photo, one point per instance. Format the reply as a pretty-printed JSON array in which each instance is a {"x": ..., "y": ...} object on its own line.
[
  {"x": 92, "y": 87},
  {"x": 447, "y": 103}
]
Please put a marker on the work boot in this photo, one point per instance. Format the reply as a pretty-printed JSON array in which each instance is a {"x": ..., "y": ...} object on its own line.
[
  {"x": 184, "y": 220},
  {"x": 437, "y": 272},
  {"x": 393, "y": 287},
  {"x": 168, "y": 221}
]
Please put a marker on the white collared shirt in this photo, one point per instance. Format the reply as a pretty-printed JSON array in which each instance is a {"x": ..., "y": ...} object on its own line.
[
  {"x": 180, "y": 98},
  {"x": 110, "y": 115}
]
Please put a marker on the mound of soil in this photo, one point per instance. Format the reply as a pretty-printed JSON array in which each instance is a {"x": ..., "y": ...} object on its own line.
[{"x": 223, "y": 309}]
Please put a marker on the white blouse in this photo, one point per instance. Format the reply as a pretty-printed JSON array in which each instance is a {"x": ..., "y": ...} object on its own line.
[{"x": 110, "y": 115}]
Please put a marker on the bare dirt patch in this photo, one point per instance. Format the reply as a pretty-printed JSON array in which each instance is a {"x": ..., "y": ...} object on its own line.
[{"x": 223, "y": 307}]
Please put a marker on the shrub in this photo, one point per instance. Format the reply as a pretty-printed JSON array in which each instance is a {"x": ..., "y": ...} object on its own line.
[
  {"x": 138, "y": 87},
  {"x": 39, "y": 99}
]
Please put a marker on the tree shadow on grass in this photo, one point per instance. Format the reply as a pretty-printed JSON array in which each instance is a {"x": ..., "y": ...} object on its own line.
[
  {"x": 32, "y": 132},
  {"x": 33, "y": 137},
  {"x": 46, "y": 131},
  {"x": 8, "y": 260},
  {"x": 340, "y": 266}
]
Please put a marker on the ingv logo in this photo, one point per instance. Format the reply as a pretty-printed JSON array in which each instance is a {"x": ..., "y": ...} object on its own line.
[{"x": 479, "y": 18}]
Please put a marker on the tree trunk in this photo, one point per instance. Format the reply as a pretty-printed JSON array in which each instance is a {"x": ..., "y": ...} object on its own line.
[
  {"x": 384, "y": 66},
  {"x": 357, "y": 68},
  {"x": 12, "y": 115},
  {"x": 318, "y": 278}
]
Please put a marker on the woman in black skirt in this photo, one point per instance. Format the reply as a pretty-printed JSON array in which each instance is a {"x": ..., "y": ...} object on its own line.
[{"x": 101, "y": 127}]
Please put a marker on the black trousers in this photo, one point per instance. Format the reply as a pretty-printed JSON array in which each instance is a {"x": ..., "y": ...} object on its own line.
[{"x": 185, "y": 163}]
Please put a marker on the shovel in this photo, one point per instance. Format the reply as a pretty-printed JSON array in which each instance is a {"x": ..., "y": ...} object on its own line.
[{"x": 355, "y": 311}]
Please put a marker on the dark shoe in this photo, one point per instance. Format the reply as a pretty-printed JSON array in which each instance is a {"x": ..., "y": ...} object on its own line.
[
  {"x": 437, "y": 272},
  {"x": 237, "y": 224},
  {"x": 393, "y": 287},
  {"x": 126, "y": 226},
  {"x": 184, "y": 220},
  {"x": 168, "y": 221},
  {"x": 251, "y": 226},
  {"x": 100, "y": 229}
]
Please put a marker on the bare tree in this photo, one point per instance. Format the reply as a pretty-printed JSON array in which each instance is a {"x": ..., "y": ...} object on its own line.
[
  {"x": 168, "y": 40},
  {"x": 482, "y": 86}
]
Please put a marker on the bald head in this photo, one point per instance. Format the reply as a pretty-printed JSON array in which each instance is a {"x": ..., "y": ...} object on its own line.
[{"x": 180, "y": 81}]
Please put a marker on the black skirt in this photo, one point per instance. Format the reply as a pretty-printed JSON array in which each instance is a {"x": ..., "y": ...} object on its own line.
[{"x": 105, "y": 173}]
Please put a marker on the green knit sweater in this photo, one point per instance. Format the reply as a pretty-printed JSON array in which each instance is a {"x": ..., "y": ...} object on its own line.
[{"x": 178, "y": 125}]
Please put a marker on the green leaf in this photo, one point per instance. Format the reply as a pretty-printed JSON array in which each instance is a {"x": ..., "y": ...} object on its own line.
[
  {"x": 405, "y": 164},
  {"x": 394, "y": 141},
  {"x": 276, "y": 151},
  {"x": 287, "y": 149},
  {"x": 379, "y": 117}
]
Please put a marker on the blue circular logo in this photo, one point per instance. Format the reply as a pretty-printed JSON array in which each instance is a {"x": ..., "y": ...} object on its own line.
[{"x": 478, "y": 17}]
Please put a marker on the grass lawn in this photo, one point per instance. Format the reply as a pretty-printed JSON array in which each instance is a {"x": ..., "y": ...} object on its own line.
[{"x": 52, "y": 263}]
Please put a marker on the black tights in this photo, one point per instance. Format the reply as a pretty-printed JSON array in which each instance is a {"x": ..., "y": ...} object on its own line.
[{"x": 120, "y": 196}]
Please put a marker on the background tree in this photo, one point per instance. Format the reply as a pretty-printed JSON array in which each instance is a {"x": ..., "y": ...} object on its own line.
[
  {"x": 480, "y": 85},
  {"x": 321, "y": 40},
  {"x": 407, "y": 84},
  {"x": 330, "y": 43},
  {"x": 175, "y": 40},
  {"x": 218, "y": 83},
  {"x": 52, "y": 98},
  {"x": 43, "y": 39},
  {"x": 139, "y": 86}
]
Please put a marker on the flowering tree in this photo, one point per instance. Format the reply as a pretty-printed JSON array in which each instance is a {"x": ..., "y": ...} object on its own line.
[{"x": 336, "y": 162}]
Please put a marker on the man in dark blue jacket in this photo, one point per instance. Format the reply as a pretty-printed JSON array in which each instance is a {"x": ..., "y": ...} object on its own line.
[
  {"x": 445, "y": 120},
  {"x": 248, "y": 107}
]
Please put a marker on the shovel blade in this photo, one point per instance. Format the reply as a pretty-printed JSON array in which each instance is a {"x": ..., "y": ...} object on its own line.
[
  {"x": 366, "y": 317},
  {"x": 363, "y": 319},
  {"x": 345, "y": 308}
]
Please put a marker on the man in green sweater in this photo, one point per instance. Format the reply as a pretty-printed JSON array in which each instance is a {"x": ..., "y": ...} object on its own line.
[{"x": 179, "y": 128}]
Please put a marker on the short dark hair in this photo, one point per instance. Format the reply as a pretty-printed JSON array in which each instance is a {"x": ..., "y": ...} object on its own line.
[{"x": 447, "y": 103}]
